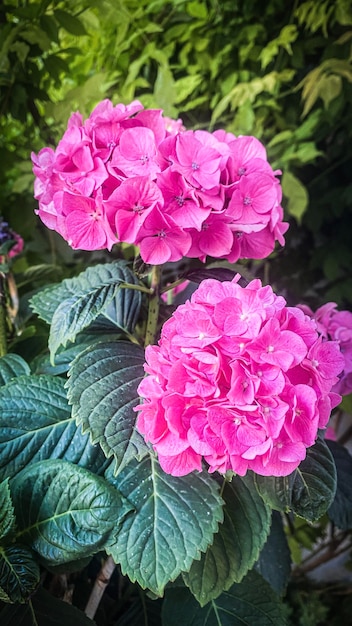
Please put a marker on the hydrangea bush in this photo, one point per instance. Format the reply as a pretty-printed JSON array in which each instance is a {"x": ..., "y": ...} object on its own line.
[{"x": 173, "y": 439}]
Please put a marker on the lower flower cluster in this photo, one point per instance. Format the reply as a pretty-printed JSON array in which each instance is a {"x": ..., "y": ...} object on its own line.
[{"x": 238, "y": 379}]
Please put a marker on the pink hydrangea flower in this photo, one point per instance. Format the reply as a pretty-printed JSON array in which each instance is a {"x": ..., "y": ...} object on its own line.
[
  {"x": 239, "y": 380},
  {"x": 336, "y": 325},
  {"x": 218, "y": 191}
]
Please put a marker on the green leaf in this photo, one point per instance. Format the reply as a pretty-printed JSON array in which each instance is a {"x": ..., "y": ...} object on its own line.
[
  {"x": 11, "y": 366},
  {"x": 65, "y": 356},
  {"x": 7, "y": 513},
  {"x": 249, "y": 603},
  {"x": 49, "y": 25},
  {"x": 174, "y": 521},
  {"x": 74, "y": 304},
  {"x": 237, "y": 544},
  {"x": 276, "y": 491},
  {"x": 296, "y": 195},
  {"x": 36, "y": 424},
  {"x": 309, "y": 490},
  {"x": 102, "y": 387},
  {"x": 314, "y": 484},
  {"x": 274, "y": 562},
  {"x": 340, "y": 511},
  {"x": 186, "y": 86},
  {"x": 46, "y": 610},
  {"x": 69, "y": 22},
  {"x": 19, "y": 573},
  {"x": 64, "y": 511}
]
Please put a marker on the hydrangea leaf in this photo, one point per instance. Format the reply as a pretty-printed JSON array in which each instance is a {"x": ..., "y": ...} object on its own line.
[
  {"x": 64, "y": 512},
  {"x": 46, "y": 610},
  {"x": 274, "y": 562},
  {"x": 249, "y": 603},
  {"x": 314, "y": 485},
  {"x": 340, "y": 511},
  {"x": 7, "y": 514},
  {"x": 309, "y": 490},
  {"x": 276, "y": 490},
  {"x": 11, "y": 366},
  {"x": 174, "y": 521},
  {"x": 36, "y": 424},
  {"x": 76, "y": 303},
  {"x": 19, "y": 573},
  {"x": 236, "y": 546},
  {"x": 102, "y": 387}
]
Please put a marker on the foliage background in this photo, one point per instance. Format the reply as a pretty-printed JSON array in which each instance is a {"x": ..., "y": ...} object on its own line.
[{"x": 281, "y": 72}]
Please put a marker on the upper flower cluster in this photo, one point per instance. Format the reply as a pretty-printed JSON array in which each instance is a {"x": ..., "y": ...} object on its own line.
[
  {"x": 336, "y": 325},
  {"x": 132, "y": 175},
  {"x": 240, "y": 379}
]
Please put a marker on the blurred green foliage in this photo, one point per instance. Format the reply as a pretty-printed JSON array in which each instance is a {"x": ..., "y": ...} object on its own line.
[{"x": 280, "y": 71}]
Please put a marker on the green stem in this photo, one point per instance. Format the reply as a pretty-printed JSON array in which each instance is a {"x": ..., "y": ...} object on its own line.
[
  {"x": 142, "y": 288},
  {"x": 3, "y": 317},
  {"x": 153, "y": 308}
]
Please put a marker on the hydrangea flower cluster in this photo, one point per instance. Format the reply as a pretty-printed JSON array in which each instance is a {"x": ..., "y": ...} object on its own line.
[
  {"x": 132, "y": 175},
  {"x": 238, "y": 378},
  {"x": 337, "y": 326}
]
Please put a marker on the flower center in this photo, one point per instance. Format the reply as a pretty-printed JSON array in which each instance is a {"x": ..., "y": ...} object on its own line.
[{"x": 180, "y": 200}]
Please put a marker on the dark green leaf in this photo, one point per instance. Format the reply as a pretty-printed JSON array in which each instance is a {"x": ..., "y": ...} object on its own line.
[
  {"x": 19, "y": 573},
  {"x": 237, "y": 544},
  {"x": 11, "y": 366},
  {"x": 69, "y": 22},
  {"x": 249, "y": 603},
  {"x": 340, "y": 511},
  {"x": 217, "y": 273},
  {"x": 55, "y": 66},
  {"x": 309, "y": 490},
  {"x": 46, "y": 611},
  {"x": 102, "y": 387},
  {"x": 49, "y": 25},
  {"x": 65, "y": 356},
  {"x": 64, "y": 511},
  {"x": 7, "y": 513},
  {"x": 314, "y": 486},
  {"x": 36, "y": 424},
  {"x": 174, "y": 521},
  {"x": 75, "y": 303},
  {"x": 276, "y": 491},
  {"x": 274, "y": 562}
]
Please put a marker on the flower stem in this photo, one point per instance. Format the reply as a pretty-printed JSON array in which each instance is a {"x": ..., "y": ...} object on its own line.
[{"x": 153, "y": 308}]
